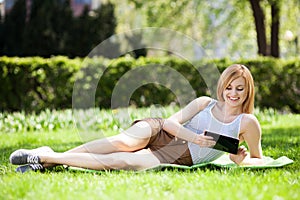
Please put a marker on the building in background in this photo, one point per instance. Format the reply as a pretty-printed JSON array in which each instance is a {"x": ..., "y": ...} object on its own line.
[{"x": 79, "y": 5}]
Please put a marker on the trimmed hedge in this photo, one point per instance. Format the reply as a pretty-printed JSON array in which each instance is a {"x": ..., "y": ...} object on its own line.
[{"x": 35, "y": 84}]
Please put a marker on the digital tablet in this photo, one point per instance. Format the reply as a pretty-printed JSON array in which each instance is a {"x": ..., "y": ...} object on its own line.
[{"x": 224, "y": 142}]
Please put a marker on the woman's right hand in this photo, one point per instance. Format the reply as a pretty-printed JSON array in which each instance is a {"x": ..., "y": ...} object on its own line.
[{"x": 204, "y": 141}]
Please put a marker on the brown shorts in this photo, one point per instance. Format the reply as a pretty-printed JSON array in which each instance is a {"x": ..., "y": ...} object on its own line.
[{"x": 166, "y": 147}]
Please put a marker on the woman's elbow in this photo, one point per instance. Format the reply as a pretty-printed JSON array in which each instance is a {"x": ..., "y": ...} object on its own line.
[{"x": 170, "y": 124}]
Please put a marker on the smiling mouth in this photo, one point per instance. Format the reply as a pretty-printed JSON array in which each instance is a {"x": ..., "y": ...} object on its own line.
[{"x": 234, "y": 98}]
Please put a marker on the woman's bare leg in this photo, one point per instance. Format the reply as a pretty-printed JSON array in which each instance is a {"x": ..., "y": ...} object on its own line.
[
  {"x": 134, "y": 138},
  {"x": 120, "y": 160}
]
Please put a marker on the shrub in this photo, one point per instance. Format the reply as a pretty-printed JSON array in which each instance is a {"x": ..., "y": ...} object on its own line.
[{"x": 35, "y": 84}]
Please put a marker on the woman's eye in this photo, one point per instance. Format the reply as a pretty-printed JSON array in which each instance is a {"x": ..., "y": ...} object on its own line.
[
  {"x": 240, "y": 89},
  {"x": 228, "y": 88}
]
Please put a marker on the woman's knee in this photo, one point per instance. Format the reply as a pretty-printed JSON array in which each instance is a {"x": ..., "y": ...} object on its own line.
[
  {"x": 124, "y": 142},
  {"x": 138, "y": 135},
  {"x": 139, "y": 130},
  {"x": 154, "y": 125}
]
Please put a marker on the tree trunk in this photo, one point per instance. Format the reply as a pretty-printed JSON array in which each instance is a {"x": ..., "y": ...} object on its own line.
[
  {"x": 275, "y": 12},
  {"x": 259, "y": 19}
]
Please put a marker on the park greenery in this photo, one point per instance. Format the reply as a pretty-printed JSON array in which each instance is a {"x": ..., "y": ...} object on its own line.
[
  {"x": 280, "y": 138},
  {"x": 232, "y": 28},
  {"x": 35, "y": 83},
  {"x": 44, "y": 52},
  {"x": 50, "y": 28},
  {"x": 223, "y": 28}
]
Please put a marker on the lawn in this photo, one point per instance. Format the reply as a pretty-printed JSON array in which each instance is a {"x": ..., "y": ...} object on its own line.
[{"x": 281, "y": 137}]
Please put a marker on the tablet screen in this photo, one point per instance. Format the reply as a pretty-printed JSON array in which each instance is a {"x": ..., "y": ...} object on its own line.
[{"x": 224, "y": 142}]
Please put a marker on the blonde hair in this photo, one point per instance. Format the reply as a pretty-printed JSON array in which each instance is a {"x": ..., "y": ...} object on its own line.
[{"x": 231, "y": 73}]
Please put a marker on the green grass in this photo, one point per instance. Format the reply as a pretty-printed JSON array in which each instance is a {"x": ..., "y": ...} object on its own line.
[{"x": 280, "y": 137}]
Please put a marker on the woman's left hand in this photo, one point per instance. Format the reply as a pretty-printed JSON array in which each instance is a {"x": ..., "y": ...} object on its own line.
[{"x": 240, "y": 156}]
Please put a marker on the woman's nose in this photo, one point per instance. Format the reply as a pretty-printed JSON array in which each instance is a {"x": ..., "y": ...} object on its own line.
[{"x": 234, "y": 91}]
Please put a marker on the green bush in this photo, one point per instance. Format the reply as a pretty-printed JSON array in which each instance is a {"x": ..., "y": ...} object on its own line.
[
  {"x": 277, "y": 81},
  {"x": 35, "y": 84}
]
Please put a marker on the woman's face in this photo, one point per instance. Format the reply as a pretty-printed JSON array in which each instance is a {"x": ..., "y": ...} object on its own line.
[{"x": 235, "y": 93}]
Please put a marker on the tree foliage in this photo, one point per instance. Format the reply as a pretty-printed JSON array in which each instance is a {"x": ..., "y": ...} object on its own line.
[
  {"x": 228, "y": 28},
  {"x": 49, "y": 28},
  {"x": 215, "y": 25},
  {"x": 12, "y": 29}
]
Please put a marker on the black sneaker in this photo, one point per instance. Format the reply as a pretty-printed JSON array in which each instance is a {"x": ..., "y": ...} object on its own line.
[
  {"x": 30, "y": 167},
  {"x": 25, "y": 156}
]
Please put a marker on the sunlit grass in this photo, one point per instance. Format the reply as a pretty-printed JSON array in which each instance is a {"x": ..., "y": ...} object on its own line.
[{"x": 280, "y": 138}]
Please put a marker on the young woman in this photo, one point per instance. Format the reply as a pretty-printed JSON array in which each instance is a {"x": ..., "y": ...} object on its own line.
[{"x": 178, "y": 139}]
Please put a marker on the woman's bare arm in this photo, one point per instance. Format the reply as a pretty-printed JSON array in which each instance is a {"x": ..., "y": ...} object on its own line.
[
  {"x": 173, "y": 124},
  {"x": 190, "y": 110},
  {"x": 251, "y": 134}
]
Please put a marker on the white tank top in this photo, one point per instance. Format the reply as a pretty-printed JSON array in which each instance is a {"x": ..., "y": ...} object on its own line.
[{"x": 204, "y": 120}]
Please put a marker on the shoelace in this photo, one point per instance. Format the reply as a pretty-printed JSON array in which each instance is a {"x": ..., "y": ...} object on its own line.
[
  {"x": 36, "y": 167},
  {"x": 33, "y": 159}
]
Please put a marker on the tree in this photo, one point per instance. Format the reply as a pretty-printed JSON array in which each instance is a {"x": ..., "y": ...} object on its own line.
[
  {"x": 240, "y": 26},
  {"x": 51, "y": 29},
  {"x": 259, "y": 17},
  {"x": 12, "y": 30},
  {"x": 275, "y": 13},
  {"x": 215, "y": 24},
  {"x": 48, "y": 28},
  {"x": 90, "y": 29}
]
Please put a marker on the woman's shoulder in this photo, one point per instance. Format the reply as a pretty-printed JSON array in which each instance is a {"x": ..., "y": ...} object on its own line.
[
  {"x": 249, "y": 117},
  {"x": 249, "y": 120},
  {"x": 204, "y": 101}
]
